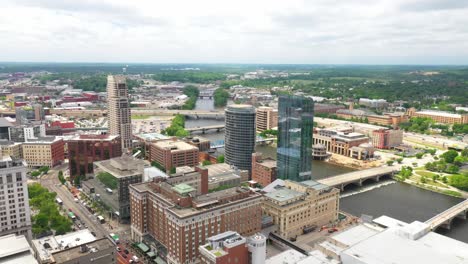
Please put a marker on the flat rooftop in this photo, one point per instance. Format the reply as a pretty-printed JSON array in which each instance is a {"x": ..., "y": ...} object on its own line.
[
  {"x": 315, "y": 185},
  {"x": 174, "y": 145},
  {"x": 268, "y": 162},
  {"x": 123, "y": 166},
  {"x": 284, "y": 194},
  {"x": 94, "y": 137},
  {"x": 439, "y": 113},
  {"x": 75, "y": 252},
  {"x": 14, "y": 245},
  {"x": 152, "y": 136}
]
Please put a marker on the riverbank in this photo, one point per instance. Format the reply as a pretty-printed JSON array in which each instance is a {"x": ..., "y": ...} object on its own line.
[{"x": 449, "y": 191}]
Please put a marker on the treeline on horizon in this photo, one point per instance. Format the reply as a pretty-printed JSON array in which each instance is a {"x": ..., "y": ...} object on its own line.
[{"x": 341, "y": 81}]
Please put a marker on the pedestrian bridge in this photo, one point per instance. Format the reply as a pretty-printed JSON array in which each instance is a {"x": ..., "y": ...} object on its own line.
[
  {"x": 358, "y": 177},
  {"x": 445, "y": 218}
]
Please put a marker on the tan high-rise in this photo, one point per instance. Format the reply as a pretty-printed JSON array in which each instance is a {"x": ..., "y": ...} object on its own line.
[{"x": 119, "y": 116}]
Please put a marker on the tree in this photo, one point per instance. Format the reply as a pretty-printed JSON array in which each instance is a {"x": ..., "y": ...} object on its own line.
[
  {"x": 399, "y": 160},
  {"x": 35, "y": 173},
  {"x": 77, "y": 180},
  {"x": 172, "y": 170},
  {"x": 453, "y": 169},
  {"x": 221, "y": 97},
  {"x": 390, "y": 162},
  {"x": 44, "y": 169},
  {"x": 444, "y": 179},
  {"x": 61, "y": 178},
  {"x": 220, "y": 159},
  {"x": 423, "y": 179},
  {"x": 464, "y": 152},
  {"x": 419, "y": 155},
  {"x": 450, "y": 156},
  {"x": 206, "y": 162},
  {"x": 459, "y": 181}
]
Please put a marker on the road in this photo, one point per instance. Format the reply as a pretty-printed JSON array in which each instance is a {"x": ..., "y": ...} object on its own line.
[{"x": 52, "y": 183}]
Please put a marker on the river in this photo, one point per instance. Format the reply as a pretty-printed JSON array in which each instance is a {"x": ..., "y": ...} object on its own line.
[{"x": 399, "y": 200}]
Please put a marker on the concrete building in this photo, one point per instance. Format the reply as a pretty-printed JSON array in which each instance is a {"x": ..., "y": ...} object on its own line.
[
  {"x": 45, "y": 247},
  {"x": 339, "y": 141},
  {"x": 174, "y": 153},
  {"x": 203, "y": 144},
  {"x": 15, "y": 214},
  {"x": 230, "y": 247},
  {"x": 25, "y": 133},
  {"x": 126, "y": 170},
  {"x": 364, "y": 151},
  {"x": 240, "y": 136},
  {"x": 387, "y": 138},
  {"x": 439, "y": 116},
  {"x": 101, "y": 251},
  {"x": 327, "y": 108},
  {"x": 373, "y": 103},
  {"x": 46, "y": 151},
  {"x": 295, "y": 207},
  {"x": 264, "y": 171},
  {"x": 120, "y": 123},
  {"x": 83, "y": 150},
  {"x": 223, "y": 174},
  {"x": 266, "y": 118},
  {"x": 295, "y": 127},
  {"x": 16, "y": 249},
  {"x": 179, "y": 221},
  {"x": 10, "y": 148}
]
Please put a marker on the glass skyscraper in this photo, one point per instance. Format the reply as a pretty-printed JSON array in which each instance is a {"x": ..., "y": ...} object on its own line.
[{"x": 295, "y": 128}]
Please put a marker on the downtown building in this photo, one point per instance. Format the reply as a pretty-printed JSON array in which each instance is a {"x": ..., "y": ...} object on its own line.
[
  {"x": 84, "y": 150},
  {"x": 45, "y": 151},
  {"x": 240, "y": 136},
  {"x": 178, "y": 219},
  {"x": 295, "y": 127},
  {"x": 120, "y": 123},
  {"x": 387, "y": 138},
  {"x": 266, "y": 118},
  {"x": 15, "y": 213}
]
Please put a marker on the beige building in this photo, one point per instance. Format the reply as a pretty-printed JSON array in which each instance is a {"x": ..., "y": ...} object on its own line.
[
  {"x": 266, "y": 118},
  {"x": 119, "y": 115},
  {"x": 47, "y": 151},
  {"x": 297, "y": 206},
  {"x": 10, "y": 148},
  {"x": 439, "y": 116}
]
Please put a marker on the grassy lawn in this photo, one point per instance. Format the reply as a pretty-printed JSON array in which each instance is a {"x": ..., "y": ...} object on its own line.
[
  {"x": 141, "y": 116},
  {"x": 429, "y": 181},
  {"x": 425, "y": 173}
]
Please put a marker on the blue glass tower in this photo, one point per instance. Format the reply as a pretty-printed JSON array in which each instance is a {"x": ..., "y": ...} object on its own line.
[{"x": 295, "y": 128}]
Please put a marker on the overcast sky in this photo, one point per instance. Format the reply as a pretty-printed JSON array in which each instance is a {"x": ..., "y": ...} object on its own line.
[{"x": 240, "y": 31}]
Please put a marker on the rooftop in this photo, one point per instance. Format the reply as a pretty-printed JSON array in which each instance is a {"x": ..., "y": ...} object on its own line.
[
  {"x": 268, "y": 162},
  {"x": 284, "y": 194},
  {"x": 123, "y": 166},
  {"x": 152, "y": 136},
  {"x": 15, "y": 249},
  {"x": 183, "y": 188},
  {"x": 96, "y": 137},
  {"x": 315, "y": 185},
  {"x": 76, "y": 252},
  {"x": 439, "y": 113},
  {"x": 174, "y": 145}
]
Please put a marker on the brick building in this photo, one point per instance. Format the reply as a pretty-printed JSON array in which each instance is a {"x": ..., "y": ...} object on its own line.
[
  {"x": 264, "y": 171},
  {"x": 174, "y": 153},
  {"x": 83, "y": 150},
  {"x": 266, "y": 118},
  {"x": 387, "y": 138},
  {"x": 180, "y": 221},
  {"x": 439, "y": 116},
  {"x": 46, "y": 151}
]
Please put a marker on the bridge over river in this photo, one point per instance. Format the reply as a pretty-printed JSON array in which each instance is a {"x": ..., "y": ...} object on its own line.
[
  {"x": 445, "y": 218},
  {"x": 358, "y": 177}
]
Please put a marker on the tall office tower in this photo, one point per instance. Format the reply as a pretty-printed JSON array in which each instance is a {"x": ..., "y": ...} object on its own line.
[
  {"x": 295, "y": 128},
  {"x": 119, "y": 116},
  {"x": 15, "y": 213},
  {"x": 240, "y": 136}
]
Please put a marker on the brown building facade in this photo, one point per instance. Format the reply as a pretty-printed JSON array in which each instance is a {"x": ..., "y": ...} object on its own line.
[
  {"x": 266, "y": 118},
  {"x": 85, "y": 149},
  {"x": 264, "y": 171},
  {"x": 181, "y": 221},
  {"x": 47, "y": 151},
  {"x": 174, "y": 153}
]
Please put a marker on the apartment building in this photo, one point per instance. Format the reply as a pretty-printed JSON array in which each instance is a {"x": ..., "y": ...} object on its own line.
[
  {"x": 15, "y": 213},
  {"x": 120, "y": 123},
  {"x": 299, "y": 206},
  {"x": 387, "y": 138},
  {"x": 10, "y": 148},
  {"x": 181, "y": 221},
  {"x": 174, "y": 153},
  {"x": 83, "y": 150},
  {"x": 440, "y": 116},
  {"x": 266, "y": 118},
  {"x": 46, "y": 151},
  {"x": 264, "y": 171}
]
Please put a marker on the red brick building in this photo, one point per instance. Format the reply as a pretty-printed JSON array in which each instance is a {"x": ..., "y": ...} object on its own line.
[
  {"x": 174, "y": 153},
  {"x": 181, "y": 221},
  {"x": 83, "y": 150},
  {"x": 264, "y": 171}
]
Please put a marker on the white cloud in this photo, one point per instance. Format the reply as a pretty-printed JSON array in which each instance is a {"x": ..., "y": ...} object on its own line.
[{"x": 259, "y": 31}]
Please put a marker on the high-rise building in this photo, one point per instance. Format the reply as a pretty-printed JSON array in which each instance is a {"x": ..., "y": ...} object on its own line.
[
  {"x": 295, "y": 128},
  {"x": 240, "y": 136},
  {"x": 267, "y": 118},
  {"x": 119, "y": 115},
  {"x": 15, "y": 213}
]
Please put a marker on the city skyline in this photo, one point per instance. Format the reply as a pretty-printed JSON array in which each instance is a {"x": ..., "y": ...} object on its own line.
[{"x": 313, "y": 32}]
